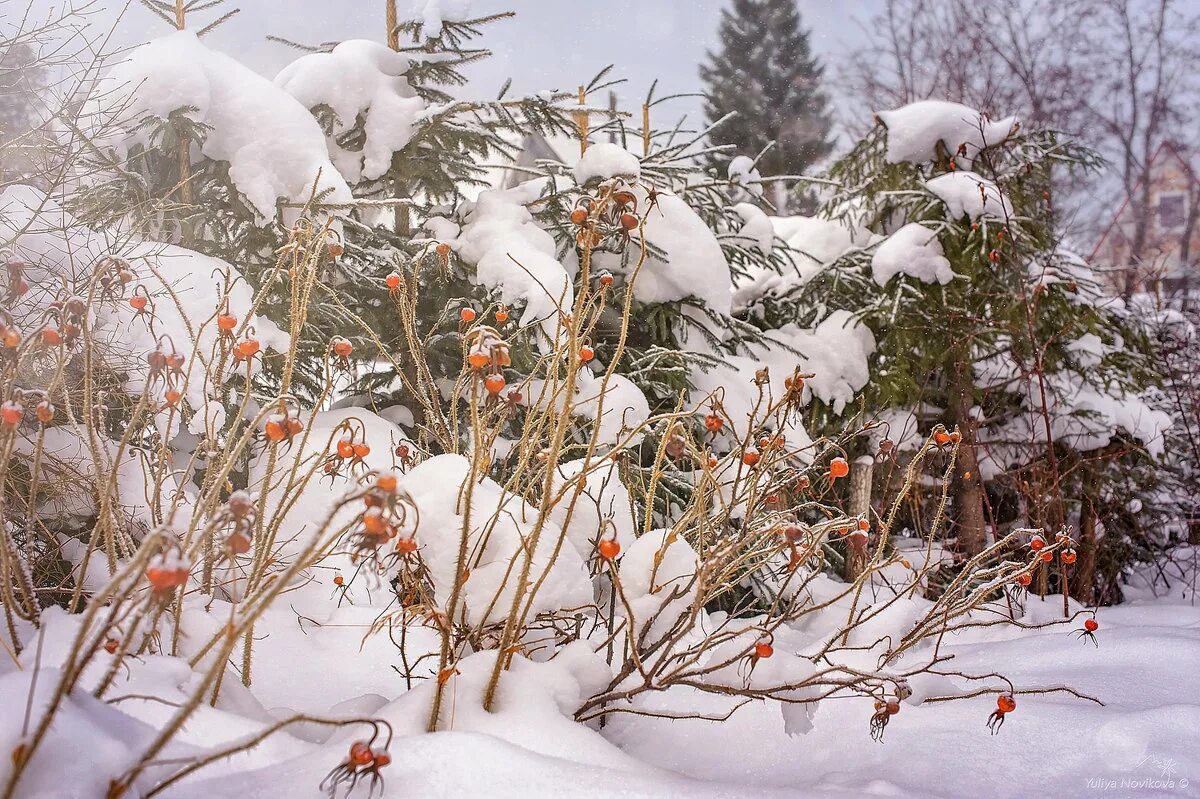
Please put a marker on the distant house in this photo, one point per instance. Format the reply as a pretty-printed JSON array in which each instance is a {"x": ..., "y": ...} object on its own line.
[{"x": 1168, "y": 260}]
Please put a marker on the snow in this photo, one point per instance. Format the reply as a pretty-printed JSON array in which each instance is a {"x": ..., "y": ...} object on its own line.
[
  {"x": 912, "y": 250},
  {"x": 358, "y": 79},
  {"x": 812, "y": 244},
  {"x": 605, "y": 160},
  {"x": 1148, "y": 729},
  {"x": 757, "y": 230},
  {"x": 968, "y": 194},
  {"x": 691, "y": 264},
  {"x": 435, "y": 13},
  {"x": 186, "y": 290},
  {"x": 743, "y": 173},
  {"x": 516, "y": 257},
  {"x": 835, "y": 352},
  {"x": 274, "y": 146},
  {"x": 914, "y": 130}
]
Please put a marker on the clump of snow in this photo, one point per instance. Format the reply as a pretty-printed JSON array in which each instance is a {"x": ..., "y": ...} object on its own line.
[
  {"x": 658, "y": 581},
  {"x": 691, "y": 264},
  {"x": 743, "y": 173},
  {"x": 605, "y": 160},
  {"x": 812, "y": 244},
  {"x": 835, "y": 352},
  {"x": 757, "y": 230},
  {"x": 274, "y": 146},
  {"x": 186, "y": 290},
  {"x": 603, "y": 508},
  {"x": 624, "y": 407},
  {"x": 358, "y": 80},
  {"x": 499, "y": 537},
  {"x": 968, "y": 194},
  {"x": 433, "y": 14},
  {"x": 914, "y": 130},
  {"x": 515, "y": 256},
  {"x": 913, "y": 250}
]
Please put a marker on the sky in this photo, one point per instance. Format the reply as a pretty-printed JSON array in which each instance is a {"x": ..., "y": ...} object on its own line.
[{"x": 549, "y": 44}]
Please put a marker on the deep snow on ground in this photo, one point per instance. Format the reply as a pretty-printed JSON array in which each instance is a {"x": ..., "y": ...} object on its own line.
[{"x": 1144, "y": 741}]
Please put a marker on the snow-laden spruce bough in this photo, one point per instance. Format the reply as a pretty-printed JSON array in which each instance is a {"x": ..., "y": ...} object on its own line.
[{"x": 546, "y": 473}]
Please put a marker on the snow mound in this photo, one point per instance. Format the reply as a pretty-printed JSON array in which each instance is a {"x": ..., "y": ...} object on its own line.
[
  {"x": 606, "y": 160},
  {"x": 912, "y": 250},
  {"x": 185, "y": 291},
  {"x": 516, "y": 257},
  {"x": 685, "y": 258},
  {"x": 358, "y": 79},
  {"x": 274, "y": 146},
  {"x": 743, "y": 173},
  {"x": 968, "y": 194},
  {"x": 433, "y": 14},
  {"x": 914, "y": 130}
]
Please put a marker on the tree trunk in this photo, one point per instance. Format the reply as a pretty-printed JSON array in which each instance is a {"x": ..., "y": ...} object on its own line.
[
  {"x": 1084, "y": 579},
  {"x": 968, "y": 495}
]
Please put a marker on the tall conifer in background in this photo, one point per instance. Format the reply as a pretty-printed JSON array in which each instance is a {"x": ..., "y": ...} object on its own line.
[{"x": 766, "y": 74}]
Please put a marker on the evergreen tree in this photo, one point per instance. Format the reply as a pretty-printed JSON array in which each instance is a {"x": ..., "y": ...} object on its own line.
[
  {"x": 766, "y": 74},
  {"x": 982, "y": 322}
]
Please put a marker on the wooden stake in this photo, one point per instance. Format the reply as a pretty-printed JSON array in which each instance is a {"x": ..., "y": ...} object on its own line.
[
  {"x": 581, "y": 120},
  {"x": 393, "y": 33},
  {"x": 645, "y": 129}
]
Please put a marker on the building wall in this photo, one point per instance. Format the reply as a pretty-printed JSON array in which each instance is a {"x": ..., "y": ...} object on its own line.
[{"x": 1160, "y": 268}]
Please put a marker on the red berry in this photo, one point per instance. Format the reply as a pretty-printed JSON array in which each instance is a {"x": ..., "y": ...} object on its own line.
[
  {"x": 11, "y": 413},
  {"x": 1091, "y": 625},
  {"x": 494, "y": 384},
  {"x": 763, "y": 650},
  {"x": 466, "y": 314},
  {"x": 578, "y": 216},
  {"x": 275, "y": 431},
  {"x": 226, "y": 323},
  {"x": 838, "y": 468},
  {"x": 392, "y": 281},
  {"x": 750, "y": 457},
  {"x": 1005, "y": 703},
  {"x": 361, "y": 754},
  {"x": 629, "y": 221},
  {"x": 343, "y": 348},
  {"x": 608, "y": 548}
]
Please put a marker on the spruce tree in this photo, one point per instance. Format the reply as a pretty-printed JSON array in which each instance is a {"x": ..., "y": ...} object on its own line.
[{"x": 766, "y": 75}]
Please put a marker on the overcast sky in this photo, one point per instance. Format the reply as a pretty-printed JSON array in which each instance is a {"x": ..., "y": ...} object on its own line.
[{"x": 548, "y": 44}]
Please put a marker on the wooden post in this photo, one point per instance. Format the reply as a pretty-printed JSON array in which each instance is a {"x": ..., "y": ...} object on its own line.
[
  {"x": 645, "y": 129},
  {"x": 180, "y": 14},
  {"x": 581, "y": 120},
  {"x": 862, "y": 470},
  {"x": 393, "y": 35}
]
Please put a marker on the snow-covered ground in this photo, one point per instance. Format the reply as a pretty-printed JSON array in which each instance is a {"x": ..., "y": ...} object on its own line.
[{"x": 1144, "y": 740}]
